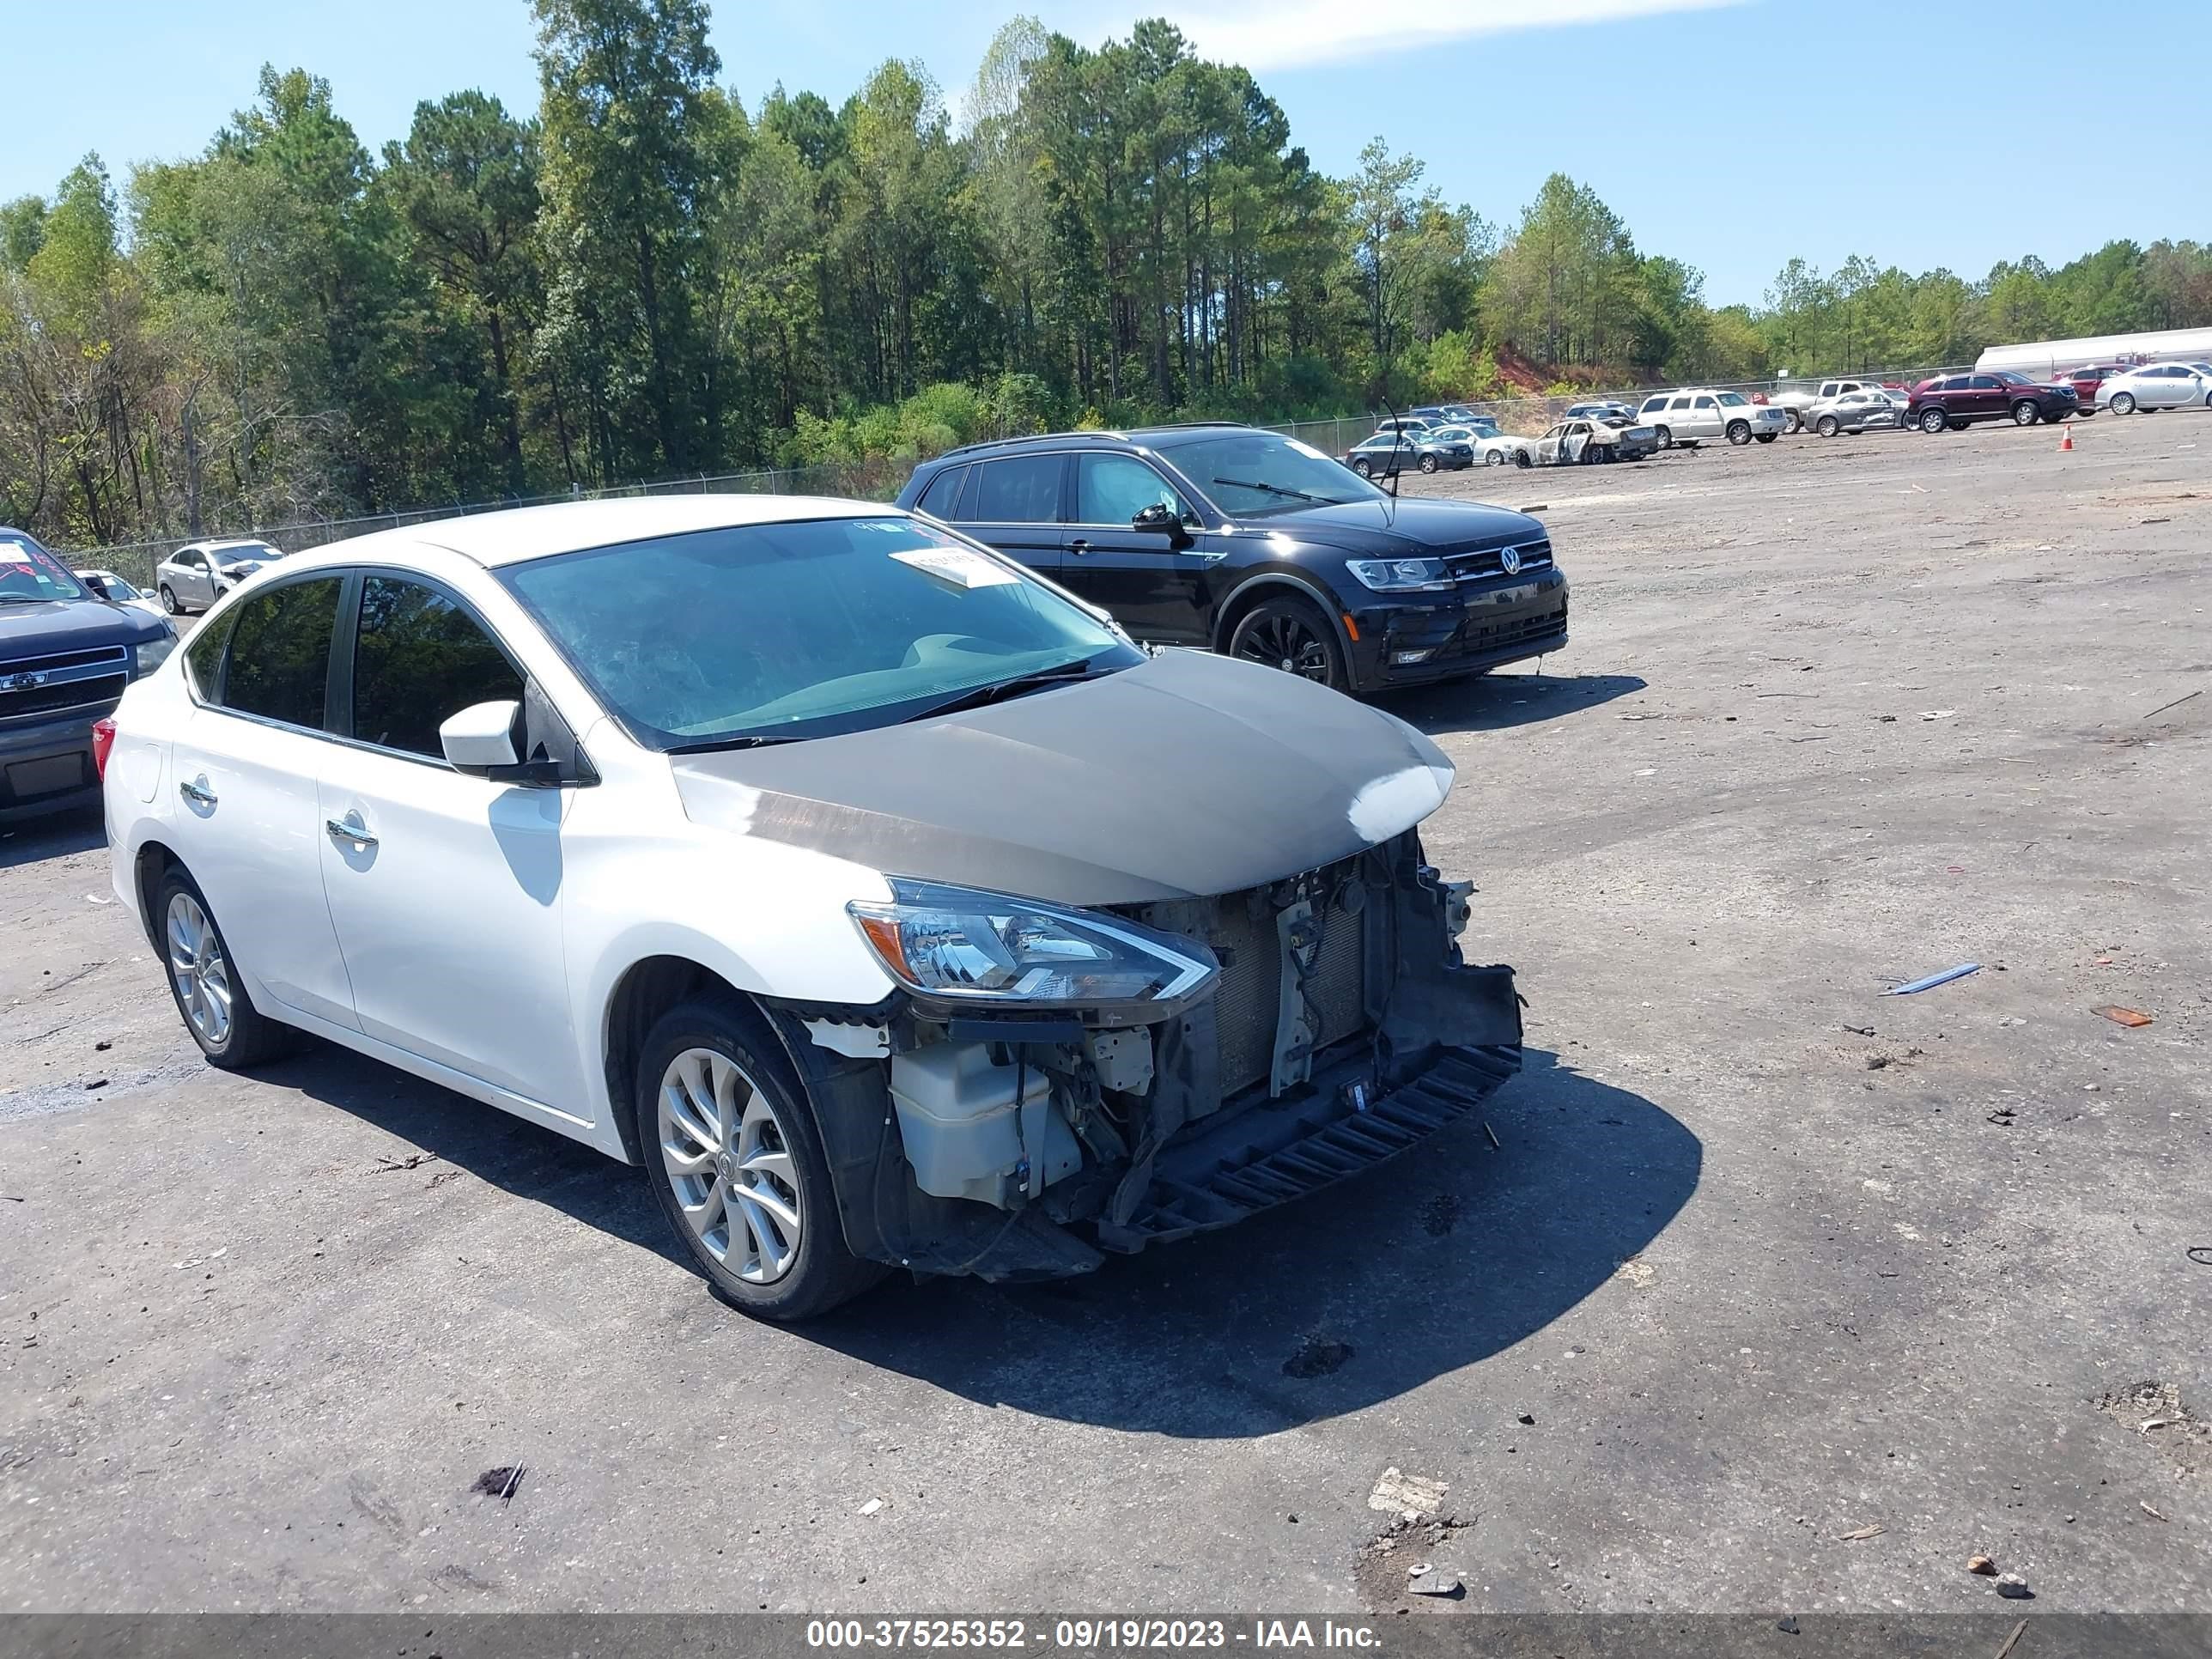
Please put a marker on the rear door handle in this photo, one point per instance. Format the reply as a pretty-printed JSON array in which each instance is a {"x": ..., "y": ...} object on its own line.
[
  {"x": 1079, "y": 546},
  {"x": 197, "y": 791},
  {"x": 349, "y": 827}
]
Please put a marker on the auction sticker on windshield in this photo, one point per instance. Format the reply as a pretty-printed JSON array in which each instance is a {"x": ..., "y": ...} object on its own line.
[{"x": 957, "y": 565}]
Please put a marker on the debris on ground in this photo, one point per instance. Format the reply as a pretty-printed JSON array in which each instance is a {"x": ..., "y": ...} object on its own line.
[
  {"x": 1863, "y": 1532},
  {"x": 1787, "y": 1626},
  {"x": 412, "y": 1161},
  {"x": 1526, "y": 1419},
  {"x": 2012, "y": 1585},
  {"x": 1982, "y": 1564},
  {"x": 1496, "y": 1145},
  {"x": 2002, "y": 1116},
  {"x": 2153, "y": 1411},
  {"x": 1409, "y": 1497},
  {"x": 1440, "y": 1214},
  {"x": 2128, "y": 1017},
  {"x": 2176, "y": 704},
  {"x": 499, "y": 1483},
  {"x": 1437, "y": 1584},
  {"x": 2013, "y": 1640},
  {"x": 1317, "y": 1357},
  {"x": 2200, "y": 1254},
  {"x": 2154, "y": 1514},
  {"x": 1937, "y": 713},
  {"x": 1933, "y": 980},
  {"x": 874, "y": 1505}
]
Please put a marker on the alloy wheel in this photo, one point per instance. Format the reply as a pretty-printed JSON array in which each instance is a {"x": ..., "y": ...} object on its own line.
[
  {"x": 196, "y": 962},
  {"x": 1932, "y": 421},
  {"x": 2024, "y": 413},
  {"x": 1828, "y": 426},
  {"x": 2123, "y": 402},
  {"x": 729, "y": 1161},
  {"x": 1280, "y": 639}
]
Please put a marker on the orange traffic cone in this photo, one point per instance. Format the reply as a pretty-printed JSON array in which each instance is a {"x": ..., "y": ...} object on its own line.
[{"x": 2066, "y": 443}]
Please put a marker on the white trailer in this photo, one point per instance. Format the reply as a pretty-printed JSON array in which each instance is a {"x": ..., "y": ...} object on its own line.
[{"x": 2040, "y": 360}]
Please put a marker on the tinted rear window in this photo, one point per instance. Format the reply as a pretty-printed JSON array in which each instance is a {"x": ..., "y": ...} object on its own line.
[
  {"x": 942, "y": 498},
  {"x": 280, "y": 652},
  {"x": 1022, "y": 490}
]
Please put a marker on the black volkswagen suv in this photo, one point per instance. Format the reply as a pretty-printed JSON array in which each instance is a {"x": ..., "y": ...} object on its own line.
[
  {"x": 65, "y": 655},
  {"x": 1235, "y": 539}
]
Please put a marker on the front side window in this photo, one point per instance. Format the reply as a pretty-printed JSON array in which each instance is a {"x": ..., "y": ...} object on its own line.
[
  {"x": 1982, "y": 383},
  {"x": 773, "y": 632},
  {"x": 1704, "y": 403},
  {"x": 279, "y": 652},
  {"x": 1115, "y": 488},
  {"x": 1021, "y": 489},
  {"x": 418, "y": 660}
]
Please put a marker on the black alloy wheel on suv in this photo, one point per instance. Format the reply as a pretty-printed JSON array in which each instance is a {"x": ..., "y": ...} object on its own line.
[{"x": 1225, "y": 538}]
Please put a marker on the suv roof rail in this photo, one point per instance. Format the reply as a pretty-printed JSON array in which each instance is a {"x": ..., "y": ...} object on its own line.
[{"x": 1029, "y": 438}]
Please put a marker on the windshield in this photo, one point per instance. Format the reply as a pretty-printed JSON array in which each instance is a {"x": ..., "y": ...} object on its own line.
[
  {"x": 1730, "y": 399},
  {"x": 1451, "y": 434},
  {"x": 253, "y": 553},
  {"x": 29, "y": 573},
  {"x": 1250, "y": 474},
  {"x": 774, "y": 631},
  {"x": 2010, "y": 378}
]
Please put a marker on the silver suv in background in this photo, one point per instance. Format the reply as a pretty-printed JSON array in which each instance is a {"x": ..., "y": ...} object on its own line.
[{"x": 1699, "y": 415}]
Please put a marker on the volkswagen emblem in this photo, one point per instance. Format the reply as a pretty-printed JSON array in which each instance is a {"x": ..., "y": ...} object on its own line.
[{"x": 1509, "y": 559}]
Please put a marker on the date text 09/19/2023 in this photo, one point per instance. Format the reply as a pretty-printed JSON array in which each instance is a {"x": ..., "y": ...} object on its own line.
[{"x": 1078, "y": 1635}]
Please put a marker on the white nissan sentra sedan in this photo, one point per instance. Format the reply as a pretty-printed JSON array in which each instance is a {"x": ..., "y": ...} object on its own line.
[{"x": 883, "y": 901}]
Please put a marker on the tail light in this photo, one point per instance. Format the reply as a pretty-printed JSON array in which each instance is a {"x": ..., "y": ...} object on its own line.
[{"x": 103, "y": 744}]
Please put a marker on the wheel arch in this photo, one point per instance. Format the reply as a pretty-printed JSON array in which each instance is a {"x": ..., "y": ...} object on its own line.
[
  {"x": 1274, "y": 584},
  {"x": 149, "y": 868}
]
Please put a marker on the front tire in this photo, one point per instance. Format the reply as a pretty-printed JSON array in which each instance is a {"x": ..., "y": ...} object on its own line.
[
  {"x": 1828, "y": 426},
  {"x": 1428, "y": 463},
  {"x": 1739, "y": 433},
  {"x": 1291, "y": 635},
  {"x": 203, "y": 982},
  {"x": 2123, "y": 402},
  {"x": 1767, "y": 437},
  {"x": 2024, "y": 413},
  {"x": 735, "y": 1158}
]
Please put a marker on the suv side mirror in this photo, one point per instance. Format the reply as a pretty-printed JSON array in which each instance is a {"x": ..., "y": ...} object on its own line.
[
  {"x": 1159, "y": 517},
  {"x": 480, "y": 739}
]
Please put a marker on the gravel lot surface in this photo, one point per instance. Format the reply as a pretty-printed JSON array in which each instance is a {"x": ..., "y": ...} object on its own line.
[{"x": 1775, "y": 1293}]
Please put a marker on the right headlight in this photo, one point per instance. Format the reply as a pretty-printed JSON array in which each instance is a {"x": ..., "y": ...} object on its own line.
[
  {"x": 957, "y": 944},
  {"x": 1400, "y": 575}
]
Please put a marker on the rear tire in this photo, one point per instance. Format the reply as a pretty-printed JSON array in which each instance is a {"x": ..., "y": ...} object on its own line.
[
  {"x": 757, "y": 1136},
  {"x": 1933, "y": 420},
  {"x": 2025, "y": 412},
  {"x": 1766, "y": 437},
  {"x": 2123, "y": 402},
  {"x": 204, "y": 984},
  {"x": 1362, "y": 468},
  {"x": 1290, "y": 634},
  {"x": 1493, "y": 457},
  {"x": 1666, "y": 436},
  {"x": 169, "y": 600},
  {"x": 1792, "y": 420}
]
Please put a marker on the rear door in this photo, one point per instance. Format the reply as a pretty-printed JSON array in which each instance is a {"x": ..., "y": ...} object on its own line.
[
  {"x": 1014, "y": 504},
  {"x": 245, "y": 821},
  {"x": 1152, "y": 587},
  {"x": 1705, "y": 416},
  {"x": 445, "y": 890},
  {"x": 1984, "y": 397}
]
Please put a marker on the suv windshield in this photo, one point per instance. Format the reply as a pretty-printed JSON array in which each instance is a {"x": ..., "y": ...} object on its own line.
[
  {"x": 2008, "y": 378},
  {"x": 762, "y": 633},
  {"x": 1730, "y": 399},
  {"x": 1250, "y": 474},
  {"x": 29, "y": 573}
]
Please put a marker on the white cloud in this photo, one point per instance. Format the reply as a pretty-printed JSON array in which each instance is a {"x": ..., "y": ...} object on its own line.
[{"x": 1299, "y": 34}]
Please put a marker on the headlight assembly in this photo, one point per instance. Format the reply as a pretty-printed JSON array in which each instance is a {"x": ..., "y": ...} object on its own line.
[
  {"x": 955, "y": 944},
  {"x": 1400, "y": 575},
  {"x": 150, "y": 655}
]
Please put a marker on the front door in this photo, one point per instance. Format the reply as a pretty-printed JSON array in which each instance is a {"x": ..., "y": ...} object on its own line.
[
  {"x": 1153, "y": 586},
  {"x": 1013, "y": 504},
  {"x": 193, "y": 583},
  {"x": 246, "y": 815},
  {"x": 446, "y": 889}
]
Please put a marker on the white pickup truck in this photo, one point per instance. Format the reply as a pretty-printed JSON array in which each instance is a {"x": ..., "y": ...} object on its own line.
[{"x": 1696, "y": 415}]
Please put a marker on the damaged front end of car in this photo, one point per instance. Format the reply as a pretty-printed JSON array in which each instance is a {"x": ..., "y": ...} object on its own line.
[{"x": 1051, "y": 1086}]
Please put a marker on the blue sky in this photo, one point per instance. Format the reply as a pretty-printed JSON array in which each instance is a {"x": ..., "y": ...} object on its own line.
[{"x": 1731, "y": 135}]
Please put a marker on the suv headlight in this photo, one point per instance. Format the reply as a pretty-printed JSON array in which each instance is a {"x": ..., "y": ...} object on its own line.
[
  {"x": 150, "y": 655},
  {"x": 1400, "y": 575},
  {"x": 957, "y": 944}
]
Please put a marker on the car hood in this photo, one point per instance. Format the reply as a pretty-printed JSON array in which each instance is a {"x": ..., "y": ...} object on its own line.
[
  {"x": 1411, "y": 522},
  {"x": 56, "y": 625},
  {"x": 1187, "y": 776}
]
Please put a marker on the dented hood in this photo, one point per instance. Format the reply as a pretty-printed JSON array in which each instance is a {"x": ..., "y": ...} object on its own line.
[{"x": 1187, "y": 776}]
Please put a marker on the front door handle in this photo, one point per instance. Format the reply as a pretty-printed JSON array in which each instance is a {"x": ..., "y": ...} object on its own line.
[
  {"x": 1079, "y": 546},
  {"x": 350, "y": 829},
  {"x": 197, "y": 791}
]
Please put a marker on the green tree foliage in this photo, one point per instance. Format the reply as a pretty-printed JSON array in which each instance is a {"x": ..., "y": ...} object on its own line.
[{"x": 645, "y": 276}]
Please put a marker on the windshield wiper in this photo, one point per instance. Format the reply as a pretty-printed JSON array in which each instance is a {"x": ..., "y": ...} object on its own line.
[
  {"x": 709, "y": 746},
  {"x": 1278, "y": 490},
  {"x": 1000, "y": 691},
  {"x": 24, "y": 598}
]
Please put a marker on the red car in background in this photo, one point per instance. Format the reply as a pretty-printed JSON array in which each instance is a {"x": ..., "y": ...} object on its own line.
[{"x": 2085, "y": 381}]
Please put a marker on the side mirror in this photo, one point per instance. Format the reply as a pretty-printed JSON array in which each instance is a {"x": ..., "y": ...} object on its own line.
[
  {"x": 480, "y": 739},
  {"x": 1164, "y": 519}
]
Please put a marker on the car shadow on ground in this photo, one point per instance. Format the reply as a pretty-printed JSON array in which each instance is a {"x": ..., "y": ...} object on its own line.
[
  {"x": 1497, "y": 703},
  {"x": 1329, "y": 1305},
  {"x": 57, "y": 835}
]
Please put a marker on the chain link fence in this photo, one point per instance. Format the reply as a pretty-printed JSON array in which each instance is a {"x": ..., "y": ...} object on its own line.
[{"x": 879, "y": 478}]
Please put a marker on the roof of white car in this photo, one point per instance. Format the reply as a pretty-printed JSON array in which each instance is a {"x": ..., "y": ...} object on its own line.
[{"x": 520, "y": 533}]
